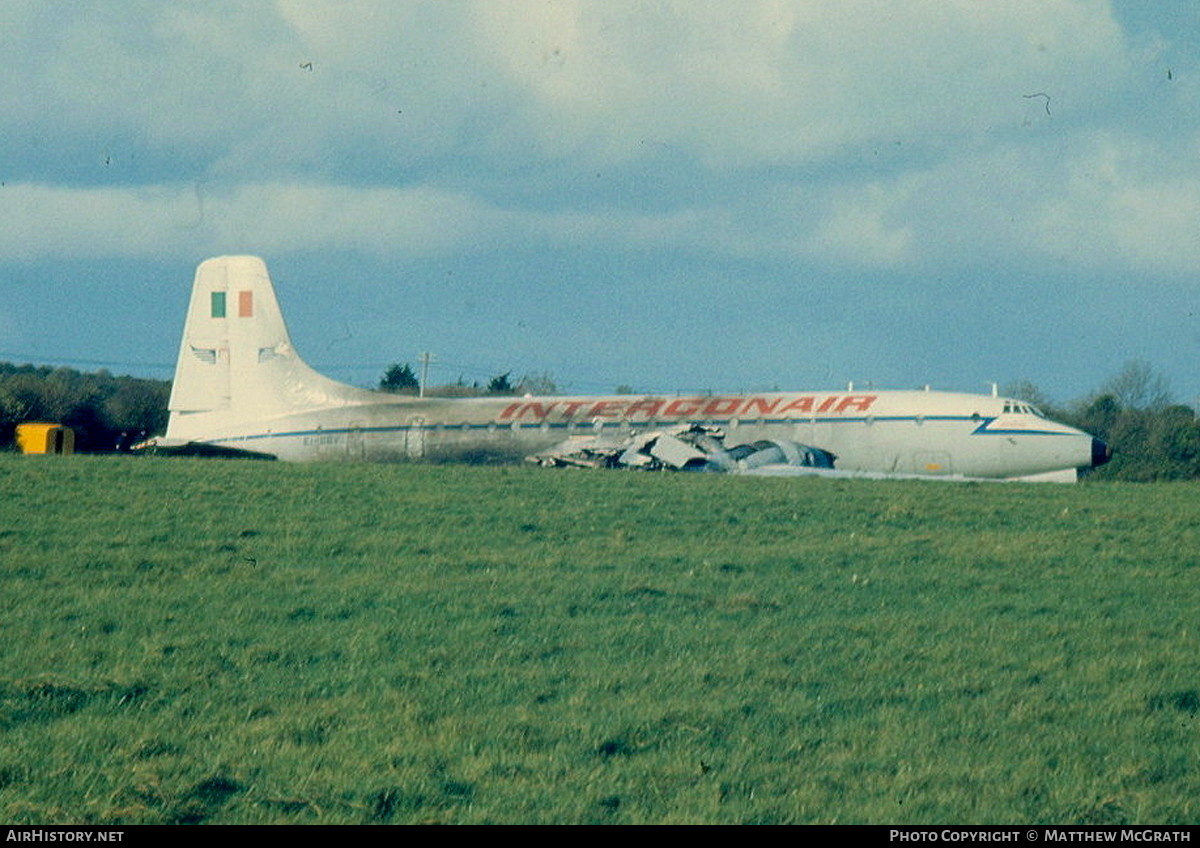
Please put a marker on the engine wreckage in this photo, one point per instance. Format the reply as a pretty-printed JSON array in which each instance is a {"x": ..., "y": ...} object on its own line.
[{"x": 692, "y": 447}]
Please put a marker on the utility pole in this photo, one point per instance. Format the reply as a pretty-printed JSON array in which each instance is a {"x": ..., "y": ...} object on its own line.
[{"x": 425, "y": 357}]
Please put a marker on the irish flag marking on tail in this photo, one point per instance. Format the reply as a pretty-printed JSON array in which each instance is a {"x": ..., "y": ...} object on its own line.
[{"x": 245, "y": 304}]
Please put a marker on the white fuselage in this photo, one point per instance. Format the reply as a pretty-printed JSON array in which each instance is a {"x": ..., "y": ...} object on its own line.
[{"x": 900, "y": 432}]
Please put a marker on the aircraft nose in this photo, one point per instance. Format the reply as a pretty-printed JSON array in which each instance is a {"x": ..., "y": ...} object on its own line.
[{"x": 1101, "y": 453}]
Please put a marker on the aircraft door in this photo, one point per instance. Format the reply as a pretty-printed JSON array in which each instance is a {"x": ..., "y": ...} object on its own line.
[{"x": 414, "y": 444}]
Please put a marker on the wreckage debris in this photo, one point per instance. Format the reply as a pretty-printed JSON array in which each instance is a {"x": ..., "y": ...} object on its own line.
[{"x": 692, "y": 447}]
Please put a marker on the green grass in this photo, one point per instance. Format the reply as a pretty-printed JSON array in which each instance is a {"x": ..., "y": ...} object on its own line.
[{"x": 192, "y": 641}]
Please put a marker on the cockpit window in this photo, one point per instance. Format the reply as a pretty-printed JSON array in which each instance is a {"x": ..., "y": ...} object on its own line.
[{"x": 1018, "y": 408}]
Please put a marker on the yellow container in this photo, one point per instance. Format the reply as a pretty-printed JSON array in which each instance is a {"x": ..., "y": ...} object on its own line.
[{"x": 45, "y": 438}]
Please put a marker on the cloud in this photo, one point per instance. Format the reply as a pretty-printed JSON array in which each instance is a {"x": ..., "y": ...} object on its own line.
[
  {"x": 262, "y": 217},
  {"x": 1128, "y": 203},
  {"x": 790, "y": 82},
  {"x": 413, "y": 222},
  {"x": 863, "y": 133},
  {"x": 67, "y": 222},
  {"x": 303, "y": 89},
  {"x": 858, "y": 231},
  {"x": 1111, "y": 203}
]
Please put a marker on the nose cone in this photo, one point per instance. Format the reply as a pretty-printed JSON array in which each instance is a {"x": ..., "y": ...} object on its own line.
[{"x": 1101, "y": 453}]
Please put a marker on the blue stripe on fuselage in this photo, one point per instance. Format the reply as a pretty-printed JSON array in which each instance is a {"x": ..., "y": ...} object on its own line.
[{"x": 984, "y": 428}]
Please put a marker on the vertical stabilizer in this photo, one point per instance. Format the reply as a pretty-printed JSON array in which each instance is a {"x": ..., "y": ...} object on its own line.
[{"x": 236, "y": 362}]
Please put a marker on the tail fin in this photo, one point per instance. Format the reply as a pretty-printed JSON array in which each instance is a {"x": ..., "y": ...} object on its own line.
[{"x": 236, "y": 361}]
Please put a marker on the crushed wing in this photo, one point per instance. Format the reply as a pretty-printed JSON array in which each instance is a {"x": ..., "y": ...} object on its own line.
[{"x": 691, "y": 447}]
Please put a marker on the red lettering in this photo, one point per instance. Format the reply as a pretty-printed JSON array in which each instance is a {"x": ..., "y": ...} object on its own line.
[
  {"x": 760, "y": 405},
  {"x": 723, "y": 406},
  {"x": 647, "y": 407},
  {"x": 804, "y": 404},
  {"x": 689, "y": 407},
  {"x": 570, "y": 407},
  {"x": 537, "y": 410},
  {"x": 607, "y": 408},
  {"x": 682, "y": 408},
  {"x": 861, "y": 403}
]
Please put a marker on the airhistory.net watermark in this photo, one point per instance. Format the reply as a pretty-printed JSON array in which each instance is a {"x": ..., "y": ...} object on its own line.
[{"x": 44, "y": 834}]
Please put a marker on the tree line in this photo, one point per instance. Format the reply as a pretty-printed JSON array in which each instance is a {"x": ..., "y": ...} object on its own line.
[
  {"x": 107, "y": 413},
  {"x": 1153, "y": 437},
  {"x": 400, "y": 378}
]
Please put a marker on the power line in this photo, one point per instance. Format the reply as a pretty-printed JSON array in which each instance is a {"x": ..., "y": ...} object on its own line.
[{"x": 33, "y": 359}]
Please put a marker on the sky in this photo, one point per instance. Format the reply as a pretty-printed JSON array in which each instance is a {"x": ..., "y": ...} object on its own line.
[{"x": 669, "y": 196}]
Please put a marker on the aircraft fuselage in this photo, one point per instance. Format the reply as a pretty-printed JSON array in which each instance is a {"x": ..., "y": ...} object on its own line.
[
  {"x": 240, "y": 384},
  {"x": 902, "y": 432}
]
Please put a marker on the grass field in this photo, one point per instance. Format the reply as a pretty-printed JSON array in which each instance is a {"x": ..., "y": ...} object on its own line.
[{"x": 212, "y": 641}]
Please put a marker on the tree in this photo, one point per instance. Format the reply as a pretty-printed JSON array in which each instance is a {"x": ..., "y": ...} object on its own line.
[
  {"x": 499, "y": 385},
  {"x": 1178, "y": 439},
  {"x": 1099, "y": 415},
  {"x": 102, "y": 409},
  {"x": 138, "y": 405},
  {"x": 1028, "y": 392},
  {"x": 399, "y": 379},
  {"x": 1138, "y": 386},
  {"x": 1151, "y": 438}
]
